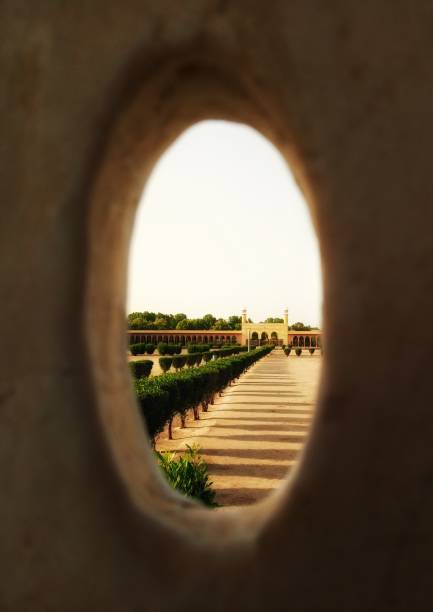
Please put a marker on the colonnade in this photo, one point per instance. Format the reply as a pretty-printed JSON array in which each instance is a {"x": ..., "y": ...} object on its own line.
[{"x": 183, "y": 338}]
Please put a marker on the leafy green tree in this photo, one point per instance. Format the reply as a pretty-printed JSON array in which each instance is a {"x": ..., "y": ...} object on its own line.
[
  {"x": 161, "y": 323},
  {"x": 235, "y": 322},
  {"x": 221, "y": 324},
  {"x": 299, "y": 326},
  {"x": 134, "y": 315},
  {"x": 209, "y": 320},
  {"x": 155, "y": 321},
  {"x": 137, "y": 323}
]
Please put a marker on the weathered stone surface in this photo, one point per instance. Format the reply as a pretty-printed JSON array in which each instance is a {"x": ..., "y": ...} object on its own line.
[{"x": 91, "y": 94}]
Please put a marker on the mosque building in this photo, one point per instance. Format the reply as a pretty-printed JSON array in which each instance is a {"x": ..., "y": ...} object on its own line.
[{"x": 254, "y": 334}]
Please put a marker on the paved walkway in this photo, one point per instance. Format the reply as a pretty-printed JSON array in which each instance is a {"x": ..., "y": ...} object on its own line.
[{"x": 252, "y": 436}]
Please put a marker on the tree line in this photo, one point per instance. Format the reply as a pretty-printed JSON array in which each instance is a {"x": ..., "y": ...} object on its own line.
[{"x": 161, "y": 321}]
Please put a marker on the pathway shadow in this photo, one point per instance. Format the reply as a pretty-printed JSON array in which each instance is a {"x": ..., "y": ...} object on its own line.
[
  {"x": 276, "y": 454},
  {"x": 302, "y": 421},
  {"x": 269, "y": 471},
  {"x": 294, "y": 427},
  {"x": 285, "y": 409},
  {"x": 277, "y": 437},
  {"x": 267, "y": 394},
  {"x": 241, "y": 496}
]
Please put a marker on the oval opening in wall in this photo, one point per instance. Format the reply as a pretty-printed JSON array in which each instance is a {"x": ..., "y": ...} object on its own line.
[{"x": 223, "y": 313}]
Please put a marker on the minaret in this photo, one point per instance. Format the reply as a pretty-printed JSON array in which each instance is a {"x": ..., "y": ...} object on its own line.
[
  {"x": 244, "y": 316},
  {"x": 244, "y": 322},
  {"x": 286, "y": 318}
]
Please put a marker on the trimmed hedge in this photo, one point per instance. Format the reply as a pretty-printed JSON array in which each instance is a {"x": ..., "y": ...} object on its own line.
[
  {"x": 139, "y": 348},
  {"x": 165, "y": 363},
  {"x": 298, "y": 351},
  {"x": 191, "y": 360},
  {"x": 162, "y": 348},
  {"x": 140, "y": 369},
  {"x": 198, "y": 348},
  {"x": 163, "y": 397},
  {"x": 179, "y": 361},
  {"x": 169, "y": 349},
  {"x": 226, "y": 352}
]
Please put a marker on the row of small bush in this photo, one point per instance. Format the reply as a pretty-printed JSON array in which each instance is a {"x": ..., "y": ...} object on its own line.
[
  {"x": 195, "y": 359},
  {"x": 198, "y": 348},
  {"x": 226, "y": 352},
  {"x": 163, "y": 397},
  {"x": 140, "y": 348},
  {"x": 169, "y": 349},
  {"x": 180, "y": 361},
  {"x": 141, "y": 368},
  {"x": 298, "y": 350}
]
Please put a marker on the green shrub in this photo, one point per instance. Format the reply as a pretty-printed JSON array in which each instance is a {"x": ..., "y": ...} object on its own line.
[
  {"x": 165, "y": 363},
  {"x": 139, "y": 348},
  {"x": 298, "y": 351},
  {"x": 226, "y": 352},
  {"x": 198, "y": 358},
  {"x": 198, "y": 348},
  {"x": 179, "y": 361},
  {"x": 141, "y": 368},
  {"x": 162, "y": 348},
  {"x": 154, "y": 402},
  {"x": 173, "y": 349},
  {"x": 206, "y": 356},
  {"x": 287, "y": 351},
  {"x": 150, "y": 349},
  {"x": 190, "y": 360},
  {"x": 162, "y": 397},
  {"x": 311, "y": 350},
  {"x": 188, "y": 474}
]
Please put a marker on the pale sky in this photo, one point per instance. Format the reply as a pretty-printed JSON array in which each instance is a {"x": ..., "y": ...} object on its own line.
[{"x": 222, "y": 225}]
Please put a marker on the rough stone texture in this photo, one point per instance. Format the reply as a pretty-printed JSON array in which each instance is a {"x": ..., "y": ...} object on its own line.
[{"x": 91, "y": 94}]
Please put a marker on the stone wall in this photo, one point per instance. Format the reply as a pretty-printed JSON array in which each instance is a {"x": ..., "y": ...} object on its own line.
[{"x": 92, "y": 93}]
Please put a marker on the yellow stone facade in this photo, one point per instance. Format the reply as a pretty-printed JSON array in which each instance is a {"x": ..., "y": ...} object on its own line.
[{"x": 260, "y": 333}]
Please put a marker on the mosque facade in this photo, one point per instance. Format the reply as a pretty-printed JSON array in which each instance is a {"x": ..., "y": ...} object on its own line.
[{"x": 254, "y": 334}]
